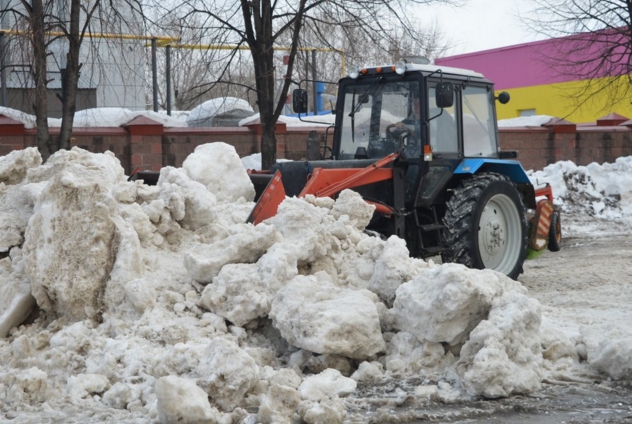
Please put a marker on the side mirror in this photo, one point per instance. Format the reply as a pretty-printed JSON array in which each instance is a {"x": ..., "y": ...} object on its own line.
[
  {"x": 299, "y": 100},
  {"x": 444, "y": 94},
  {"x": 503, "y": 97}
]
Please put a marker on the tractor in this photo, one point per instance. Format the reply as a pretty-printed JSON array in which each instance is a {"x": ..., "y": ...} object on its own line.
[{"x": 420, "y": 142}]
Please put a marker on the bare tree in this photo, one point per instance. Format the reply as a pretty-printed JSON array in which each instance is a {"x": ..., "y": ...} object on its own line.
[
  {"x": 594, "y": 46},
  {"x": 263, "y": 25},
  {"x": 196, "y": 63},
  {"x": 350, "y": 48},
  {"x": 49, "y": 23}
]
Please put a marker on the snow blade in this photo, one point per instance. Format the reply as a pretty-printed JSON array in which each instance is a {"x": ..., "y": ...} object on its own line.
[{"x": 269, "y": 201}]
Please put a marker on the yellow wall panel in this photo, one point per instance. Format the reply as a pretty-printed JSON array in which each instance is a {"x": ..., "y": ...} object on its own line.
[{"x": 561, "y": 100}]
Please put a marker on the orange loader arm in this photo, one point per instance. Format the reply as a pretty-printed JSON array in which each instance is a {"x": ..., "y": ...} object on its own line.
[{"x": 324, "y": 182}]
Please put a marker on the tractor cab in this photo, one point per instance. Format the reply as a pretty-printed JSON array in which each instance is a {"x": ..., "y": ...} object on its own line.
[
  {"x": 435, "y": 116},
  {"x": 431, "y": 112}
]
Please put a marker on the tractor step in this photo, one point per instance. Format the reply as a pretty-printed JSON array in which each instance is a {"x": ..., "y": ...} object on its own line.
[
  {"x": 433, "y": 251},
  {"x": 426, "y": 228}
]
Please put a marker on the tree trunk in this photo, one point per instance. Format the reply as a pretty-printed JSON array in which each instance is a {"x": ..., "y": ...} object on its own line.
[
  {"x": 265, "y": 94},
  {"x": 70, "y": 77},
  {"x": 40, "y": 107},
  {"x": 258, "y": 19}
]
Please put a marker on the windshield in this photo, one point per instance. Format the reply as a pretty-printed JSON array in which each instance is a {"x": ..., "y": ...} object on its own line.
[{"x": 370, "y": 108}]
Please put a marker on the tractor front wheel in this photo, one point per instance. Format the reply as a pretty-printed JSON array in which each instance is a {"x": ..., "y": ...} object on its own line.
[{"x": 486, "y": 226}]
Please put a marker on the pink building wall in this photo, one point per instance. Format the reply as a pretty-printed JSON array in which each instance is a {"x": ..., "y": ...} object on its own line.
[{"x": 530, "y": 64}]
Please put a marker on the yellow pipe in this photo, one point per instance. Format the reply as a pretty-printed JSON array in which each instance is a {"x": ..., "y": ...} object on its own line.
[{"x": 161, "y": 39}]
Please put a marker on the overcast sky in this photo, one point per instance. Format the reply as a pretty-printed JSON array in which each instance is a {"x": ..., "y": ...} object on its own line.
[{"x": 483, "y": 24}]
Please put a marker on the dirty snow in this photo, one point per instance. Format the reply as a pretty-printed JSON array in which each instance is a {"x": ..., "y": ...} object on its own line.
[{"x": 122, "y": 302}]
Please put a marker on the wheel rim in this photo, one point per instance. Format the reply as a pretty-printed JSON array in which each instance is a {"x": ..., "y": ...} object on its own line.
[{"x": 500, "y": 234}]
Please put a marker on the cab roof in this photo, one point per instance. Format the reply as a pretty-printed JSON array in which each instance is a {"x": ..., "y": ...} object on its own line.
[
  {"x": 426, "y": 69},
  {"x": 444, "y": 69}
]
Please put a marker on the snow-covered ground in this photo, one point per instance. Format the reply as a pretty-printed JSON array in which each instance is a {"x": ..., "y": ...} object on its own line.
[{"x": 122, "y": 302}]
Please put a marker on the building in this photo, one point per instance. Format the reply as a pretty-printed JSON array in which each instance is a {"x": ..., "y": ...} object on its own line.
[
  {"x": 112, "y": 72},
  {"x": 537, "y": 87}
]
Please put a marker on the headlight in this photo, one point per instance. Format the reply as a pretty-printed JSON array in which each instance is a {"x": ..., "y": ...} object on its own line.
[{"x": 400, "y": 68}]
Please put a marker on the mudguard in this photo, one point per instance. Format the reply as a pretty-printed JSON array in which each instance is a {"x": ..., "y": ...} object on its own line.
[{"x": 511, "y": 168}]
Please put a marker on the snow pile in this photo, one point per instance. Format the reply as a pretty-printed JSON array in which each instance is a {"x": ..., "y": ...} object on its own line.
[
  {"x": 127, "y": 302},
  {"x": 602, "y": 191}
]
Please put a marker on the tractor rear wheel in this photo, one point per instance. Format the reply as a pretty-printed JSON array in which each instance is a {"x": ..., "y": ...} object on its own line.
[{"x": 486, "y": 225}]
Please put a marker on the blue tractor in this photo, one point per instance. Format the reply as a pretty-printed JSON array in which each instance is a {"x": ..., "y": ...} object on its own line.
[{"x": 420, "y": 142}]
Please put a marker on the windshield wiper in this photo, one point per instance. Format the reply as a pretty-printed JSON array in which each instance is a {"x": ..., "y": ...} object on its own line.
[{"x": 361, "y": 100}]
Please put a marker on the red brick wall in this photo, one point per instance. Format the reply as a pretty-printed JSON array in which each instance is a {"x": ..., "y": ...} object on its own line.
[{"x": 148, "y": 145}]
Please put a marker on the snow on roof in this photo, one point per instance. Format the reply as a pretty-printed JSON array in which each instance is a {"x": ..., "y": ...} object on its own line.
[
  {"x": 524, "y": 121},
  {"x": 220, "y": 105},
  {"x": 100, "y": 117},
  {"x": 291, "y": 121}
]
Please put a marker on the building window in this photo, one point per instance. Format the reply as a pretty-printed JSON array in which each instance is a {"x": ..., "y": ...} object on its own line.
[{"x": 526, "y": 112}]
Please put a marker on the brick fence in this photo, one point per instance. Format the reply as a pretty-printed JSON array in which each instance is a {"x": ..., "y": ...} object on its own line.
[{"x": 146, "y": 144}]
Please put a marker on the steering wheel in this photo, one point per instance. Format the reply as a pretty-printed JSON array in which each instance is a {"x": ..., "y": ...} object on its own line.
[{"x": 395, "y": 135}]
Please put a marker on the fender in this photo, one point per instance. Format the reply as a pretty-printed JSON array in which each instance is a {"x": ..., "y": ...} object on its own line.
[{"x": 511, "y": 168}]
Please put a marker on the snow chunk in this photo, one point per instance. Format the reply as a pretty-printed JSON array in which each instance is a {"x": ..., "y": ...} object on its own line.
[
  {"x": 328, "y": 383},
  {"x": 199, "y": 203},
  {"x": 103, "y": 167},
  {"x": 368, "y": 371},
  {"x": 16, "y": 301},
  {"x": 247, "y": 244},
  {"x": 393, "y": 268},
  {"x": 327, "y": 411},
  {"x": 84, "y": 385},
  {"x": 278, "y": 405},
  {"x": 31, "y": 385},
  {"x": 313, "y": 314},
  {"x": 614, "y": 357},
  {"x": 445, "y": 303},
  {"x": 218, "y": 167},
  {"x": 182, "y": 401},
  {"x": 226, "y": 373},
  {"x": 237, "y": 294},
  {"x": 120, "y": 395},
  {"x": 13, "y": 167},
  {"x": 503, "y": 355},
  {"x": 350, "y": 203},
  {"x": 71, "y": 243}
]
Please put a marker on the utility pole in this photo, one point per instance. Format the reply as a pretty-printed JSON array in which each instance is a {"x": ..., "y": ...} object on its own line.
[
  {"x": 3, "y": 56},
  {"x": 168, "y": 76},
  {"x": 314, "y": 77},
  {"x": 154, "y": 74},
  {"x": 3, "y": 69}
]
